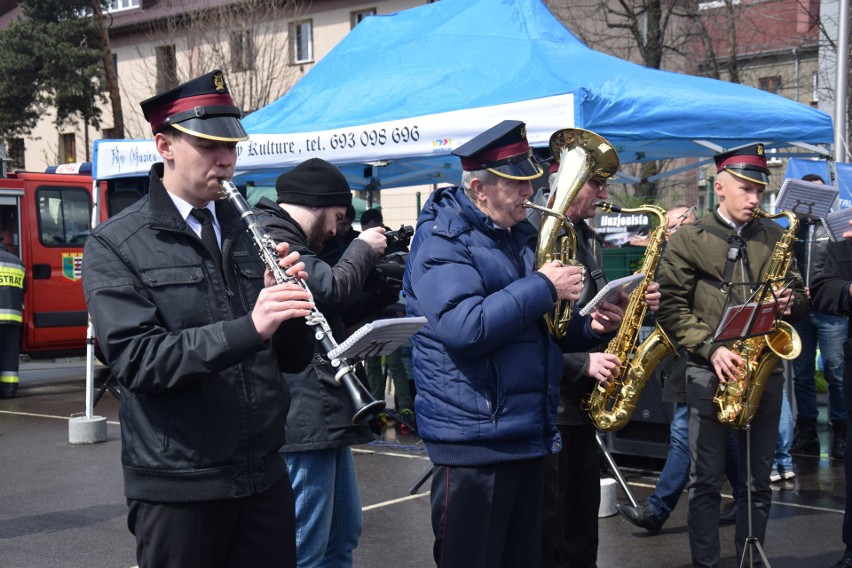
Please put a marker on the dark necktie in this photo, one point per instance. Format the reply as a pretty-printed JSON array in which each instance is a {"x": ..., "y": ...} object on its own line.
[{"x": 208, "y": 234}]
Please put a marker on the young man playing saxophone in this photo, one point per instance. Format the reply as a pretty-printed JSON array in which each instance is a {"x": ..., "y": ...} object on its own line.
[{"x": 726, "y": 246}]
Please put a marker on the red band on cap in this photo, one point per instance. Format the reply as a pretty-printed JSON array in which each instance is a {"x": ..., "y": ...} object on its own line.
[
  {"x": 478, "y": 161},
  {"x": 158, "y": 117},
  {"x": 751, "y": 160}
]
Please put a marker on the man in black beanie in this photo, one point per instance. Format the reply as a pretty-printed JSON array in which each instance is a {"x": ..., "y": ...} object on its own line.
[{"x": 312, "y": 198}]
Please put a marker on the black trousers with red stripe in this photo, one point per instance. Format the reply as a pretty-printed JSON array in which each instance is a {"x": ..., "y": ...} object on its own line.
[{"x": 488, "y": 516}]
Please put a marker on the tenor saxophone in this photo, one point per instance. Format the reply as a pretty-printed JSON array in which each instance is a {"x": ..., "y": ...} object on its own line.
[
  {"x": 739, "y": 399},
  {"x": 610, "y": 407}
]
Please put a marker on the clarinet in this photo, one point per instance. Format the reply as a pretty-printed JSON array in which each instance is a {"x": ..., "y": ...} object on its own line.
[{"x": 366, "y": 407}]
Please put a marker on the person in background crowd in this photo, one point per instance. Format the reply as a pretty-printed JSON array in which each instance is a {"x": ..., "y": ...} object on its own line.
[
  {"x": 12, "y": 286},
  {"x": 831, "y": 293},
  {"x": 198, "y": 344},
  {"x": 372, "y": 218},
  {"x": 312, "y": 199},
  {"x": 572, "y": 491},
  {"x": 652, "y": 514},
  {"x": 722, "y": 251},
  {"x": 486, "y": 369},
  {"x": 393, "y": 361},
  {"x": 827, "y": 331},
  {"x": 333, "y": 247},
  {"x": 782, "y": 462}
]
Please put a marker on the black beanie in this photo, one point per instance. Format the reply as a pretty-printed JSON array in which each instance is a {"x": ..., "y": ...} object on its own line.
[{"x": 314, "y": 183}]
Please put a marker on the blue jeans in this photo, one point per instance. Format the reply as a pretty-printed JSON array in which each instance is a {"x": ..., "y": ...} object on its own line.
[
  {"x": 783, "y": 459},
  {"x": 829, "y": 332},
  {"x": 675, "y": 474},
  {"x": 328, "y": 507}
]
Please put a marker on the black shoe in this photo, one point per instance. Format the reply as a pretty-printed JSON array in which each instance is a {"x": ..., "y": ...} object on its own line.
[
  {"x": 806, "y": 439},
  {"x": 845, "y": 563},
  {"x": 642, "y": 516},
  {"x": 728, "y": 516},
  {"x": 838, "y": 440}
]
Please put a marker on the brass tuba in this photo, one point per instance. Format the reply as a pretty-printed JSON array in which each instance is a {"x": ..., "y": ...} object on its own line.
[
  {"x": 761, "y": 353},
  {"x": 610, "y": 407},
  {"x": 580, "y": 154}
]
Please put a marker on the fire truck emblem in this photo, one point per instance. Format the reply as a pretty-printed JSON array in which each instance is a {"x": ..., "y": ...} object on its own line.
[{"x": 72, "y": 265}]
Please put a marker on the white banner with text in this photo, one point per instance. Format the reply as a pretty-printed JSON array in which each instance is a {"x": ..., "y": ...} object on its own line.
[{"x": 422, "y": 136}]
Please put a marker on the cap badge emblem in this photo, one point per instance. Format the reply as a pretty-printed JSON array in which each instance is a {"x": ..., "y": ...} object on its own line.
[{"x": 219, "y": 82}]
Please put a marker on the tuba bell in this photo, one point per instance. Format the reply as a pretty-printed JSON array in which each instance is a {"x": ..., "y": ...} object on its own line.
[{"x": 581, "y": 154}]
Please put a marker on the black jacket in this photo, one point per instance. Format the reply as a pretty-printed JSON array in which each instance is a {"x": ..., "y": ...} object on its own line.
[
  {"x": 830, "y": 293},
  {"x": 830, "y": 286},
  {"x": 575, "y": 386},
  {"x": 203, "y": 403},
  {"x": 321, "y": 412},
  {"x": 810, "y": 248}
]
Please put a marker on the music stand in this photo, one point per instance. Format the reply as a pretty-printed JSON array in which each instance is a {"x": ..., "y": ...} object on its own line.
[
  {"x": 110, "y": 384},
  {"x": 739, "y": 323},
  {"x": 806, "y": 198},
  {"x": 810, "y": 200}
]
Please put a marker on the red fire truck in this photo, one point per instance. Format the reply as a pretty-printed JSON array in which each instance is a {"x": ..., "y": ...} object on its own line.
[{"x": 45, "y": 219}]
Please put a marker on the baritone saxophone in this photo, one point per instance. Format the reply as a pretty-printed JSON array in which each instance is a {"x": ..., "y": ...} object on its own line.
[
  {"x": 739, "y": 399},
  {"x": 611, "y": 407}
]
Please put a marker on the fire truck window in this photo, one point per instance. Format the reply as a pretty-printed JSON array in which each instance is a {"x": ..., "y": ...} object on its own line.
[
  {"x": 64, "y": 216},
  {"x": 9, "y": 225}
]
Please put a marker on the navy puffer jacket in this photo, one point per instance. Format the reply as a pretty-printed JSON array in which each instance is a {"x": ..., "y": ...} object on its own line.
[{"x": 486, "y": 370}]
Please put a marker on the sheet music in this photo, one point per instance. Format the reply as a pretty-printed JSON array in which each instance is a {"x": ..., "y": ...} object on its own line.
[
  {"x": 745, "y": 320},
  {"x": 806, "y": 197},
  {"x": 612, "y": 291},
  {"x": 837, "y": 222},
  {"x": 379, "y": 337}
]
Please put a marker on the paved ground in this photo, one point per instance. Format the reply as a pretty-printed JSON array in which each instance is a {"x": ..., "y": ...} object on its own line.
[{"x": 61, "y": 505}]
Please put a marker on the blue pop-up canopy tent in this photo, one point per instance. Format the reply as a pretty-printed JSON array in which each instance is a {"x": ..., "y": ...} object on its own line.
[
  {"x": 396, "y": 95},
  {"x": 399, "y": 92}
]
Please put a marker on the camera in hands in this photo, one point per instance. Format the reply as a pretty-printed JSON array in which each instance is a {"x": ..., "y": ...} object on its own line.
[{"x": 400, "y": 238}]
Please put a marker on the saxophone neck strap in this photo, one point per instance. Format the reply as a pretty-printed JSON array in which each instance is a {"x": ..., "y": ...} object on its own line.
[
  {"x": 598, "y": 276},
  {"x": 591, "y": 260},
  {"x": 736, "y": 251}
]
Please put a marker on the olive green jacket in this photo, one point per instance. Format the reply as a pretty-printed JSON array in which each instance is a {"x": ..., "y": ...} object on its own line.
[{"x": 692, "y": 270}]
